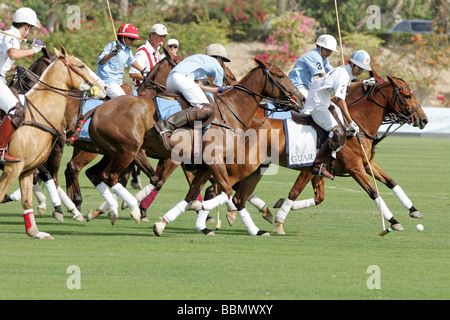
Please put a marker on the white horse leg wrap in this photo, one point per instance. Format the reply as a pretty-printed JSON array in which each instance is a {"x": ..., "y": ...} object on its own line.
[
  {"x": 144, "y": 192},
  {"x": 51, "y": 188},
  {"x": 17, "y": 195},
  {"x": 387, "y": 214},
  {"x": 284, "y": 210},
  {"x": 401, "y": 195},
  {"x": 125, "y": 195},
  {"x": 108, "y": 196},
  {"x": 208, "y": 205},
  {"x": 257, "y": 202},
  {"x": 248, "y": 222},
  {"x": 38, "y": 193},
  {"x": 230, "y": 205},
  {"x": 200, "y": 223},
  {"x": 70, "y": 206},
  {"x": 303, "y": 204},
  {"x": 173, "y": 213}
]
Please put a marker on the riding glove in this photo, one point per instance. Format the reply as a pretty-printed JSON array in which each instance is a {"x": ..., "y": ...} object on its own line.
[
  {"x": 370, "y": 82},
  {"x": 353, "y": 128}
]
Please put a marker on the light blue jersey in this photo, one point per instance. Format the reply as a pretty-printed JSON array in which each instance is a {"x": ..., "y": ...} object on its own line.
[
  {"x": 307, "y": 66},
  {"x": 200, "y": 66},
  {"x": 113, "y": 71}
]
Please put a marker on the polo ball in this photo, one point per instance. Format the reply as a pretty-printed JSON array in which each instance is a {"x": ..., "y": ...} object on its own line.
[{"x": 419, "y": 227}]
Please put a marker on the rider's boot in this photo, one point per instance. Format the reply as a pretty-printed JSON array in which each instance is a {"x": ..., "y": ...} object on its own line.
[
  {"x": 6, "y": 131},
  {"x": 166, "y": 127},
  {"x": 319, "y": 167}
]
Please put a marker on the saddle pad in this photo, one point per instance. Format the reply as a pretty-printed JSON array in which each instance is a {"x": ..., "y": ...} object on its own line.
[
  {"x": 165, "y": 107},
  {"x": 88, "y": 105},
  {"x": 281, "y": 115},
  {"x": 301, "y": 144}
]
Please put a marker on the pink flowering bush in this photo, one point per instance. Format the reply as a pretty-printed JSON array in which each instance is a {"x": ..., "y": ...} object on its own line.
[{"x": 289, "y": 35}]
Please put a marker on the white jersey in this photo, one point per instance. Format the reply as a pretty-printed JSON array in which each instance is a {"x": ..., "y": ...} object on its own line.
[
  {"x": 7, "y": 43},
  {"x": 147, "y": 57}
]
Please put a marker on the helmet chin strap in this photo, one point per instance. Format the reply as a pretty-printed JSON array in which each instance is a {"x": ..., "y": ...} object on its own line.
[{"x": 28, "y": 31}]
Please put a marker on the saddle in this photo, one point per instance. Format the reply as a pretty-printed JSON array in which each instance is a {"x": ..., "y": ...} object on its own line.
[{"x": 307, "y": 120}]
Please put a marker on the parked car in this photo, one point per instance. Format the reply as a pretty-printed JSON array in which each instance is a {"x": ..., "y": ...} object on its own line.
[{"x": 412, "y": 26}]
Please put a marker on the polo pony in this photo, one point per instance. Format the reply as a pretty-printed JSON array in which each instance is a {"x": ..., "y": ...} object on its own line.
[{"x": 46, "y": 104}]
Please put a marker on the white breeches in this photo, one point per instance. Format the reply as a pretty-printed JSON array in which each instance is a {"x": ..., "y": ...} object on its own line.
[
  {"x": 114, "y": 91},
  {"x": 180, "y": 84},
  {"x": 7, "y": 98}
]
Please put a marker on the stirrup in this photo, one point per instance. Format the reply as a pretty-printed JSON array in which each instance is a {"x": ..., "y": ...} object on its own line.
[
  {"x": 321, "y": 171},
  {"x": 8, "y": 158}
]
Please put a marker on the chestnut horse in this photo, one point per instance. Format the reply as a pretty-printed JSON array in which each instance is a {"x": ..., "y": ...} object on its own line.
[
  {"x": 32, "y": 143},
  {"x": 120, "y": 142},
  {"x": 393, "y": 100},
  {"x": 85, "y": 152}
]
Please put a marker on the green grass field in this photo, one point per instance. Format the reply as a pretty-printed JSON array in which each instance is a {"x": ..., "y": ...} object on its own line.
[{"x": 326, "y": 253}]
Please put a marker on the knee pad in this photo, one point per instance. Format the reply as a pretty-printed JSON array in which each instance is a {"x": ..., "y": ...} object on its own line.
[
  {"x": 19, "y": 115},
  {"x": 337, "y": 138}
]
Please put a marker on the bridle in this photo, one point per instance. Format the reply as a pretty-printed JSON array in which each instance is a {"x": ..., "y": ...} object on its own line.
[
  {"x": 403, "y": 116},
  {"x": 289, "y": 102}
]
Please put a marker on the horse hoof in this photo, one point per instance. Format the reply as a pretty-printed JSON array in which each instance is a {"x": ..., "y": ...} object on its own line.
[
  {"x": 79, "y": 217},
  {"x": 145, "y": 219},
  {"x": 158, "y": 228},
  {"x": 92, "y": 214},
  {"x": 42, "y": 208},
  {"x": 58, "y": 216},
  {"x": 136, "y": 214},
  {"x": 43, "y": 236},
  {"x": 279, "y": 230},
  {"x": 263, "y": 233},
  {"x": 231, "y": 217},
  {"x": 112, "y": 216},
  {"x": 415, "y": 214},
  {"x": 208, "y": 232},
  {"x": 279, "y": 203},
  {"x": 210, "y": 219},
  {"x": 194, "y": 206},
  {"x": 397, "y": 227},
  {"x": 267, "y": 215},
  {"x": 124, "y": 205}
]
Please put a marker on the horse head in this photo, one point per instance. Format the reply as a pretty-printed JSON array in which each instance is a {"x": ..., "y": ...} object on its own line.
[
  {"x": 278, "y": 86},
  {"x": 156, "y": 78},
  {"x": 405, "y": 107},
  {"x": 79, "y": 75}
]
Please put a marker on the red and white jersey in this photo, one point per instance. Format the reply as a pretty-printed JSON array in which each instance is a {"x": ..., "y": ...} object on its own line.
[{"x": 147, "y": 57}]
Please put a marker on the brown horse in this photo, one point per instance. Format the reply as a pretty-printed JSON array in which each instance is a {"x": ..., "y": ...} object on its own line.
[
  {"x": 32, "y": 142},
  {"x": 393, "y": 100},
  {"x": 85, "y": 152},
  {"x": 120, "y": 146}
]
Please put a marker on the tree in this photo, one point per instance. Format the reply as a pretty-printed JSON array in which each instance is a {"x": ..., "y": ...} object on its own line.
[{"x": 441, "y": 16}]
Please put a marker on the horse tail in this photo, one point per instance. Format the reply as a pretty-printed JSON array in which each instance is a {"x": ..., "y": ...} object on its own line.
[{"x": 81, "y": 121}]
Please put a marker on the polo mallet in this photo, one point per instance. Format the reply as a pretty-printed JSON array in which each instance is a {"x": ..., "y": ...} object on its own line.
[
  {"x": 112, "y": 21},
  {"x": 219, "y": 223},
  {"x": 23, "y": 39},
  {"x": 385, "y": 231}
]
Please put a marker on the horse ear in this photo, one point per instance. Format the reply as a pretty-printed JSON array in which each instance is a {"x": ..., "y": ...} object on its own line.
[
  {"x": 63, "y": 50},
  {"x": 390, "y": 79},
  {"x": 166, "y": 53},
  {"x": 57, "y": 52},
  {"x": 260, "y": 63}
]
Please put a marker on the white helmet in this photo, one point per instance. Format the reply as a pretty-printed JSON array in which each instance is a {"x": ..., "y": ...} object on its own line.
[
  {"x": 217, "y": 50},
  {"x": 25, "y": 15},
  {"x": 328, "y": 42},
  {"x": 362, "y": 59}
]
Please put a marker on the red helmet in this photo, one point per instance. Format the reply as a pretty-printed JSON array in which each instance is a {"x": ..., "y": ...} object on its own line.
[{"x": 129, "y": 30}]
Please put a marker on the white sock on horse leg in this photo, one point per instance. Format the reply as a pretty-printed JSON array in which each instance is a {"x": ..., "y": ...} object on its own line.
[
  {"x": 401, "y": 195},
  {"x": 303, "y": 204},
  {"x": 144, "y": 192},
  {"x": 120, "y": 190},
  {"x": 51, "y": 188},
  {"x": 257, "y": 202},
  {"x": 230, "y": 205},
  {"x": 248, "y": 222},
  {"x": 173, "y": 213},
  {"x": 208, "y": 205},
  {"x": 387, "y": 214},
  {"x": 17, "y": 195},
  {"x": 38, "y": 193},
  {"x": 108, "y": 196},
  {"x": 284, "y": 210},
  {"x": 66, "y": 201},
  {"x": 200, "y": 223}
]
